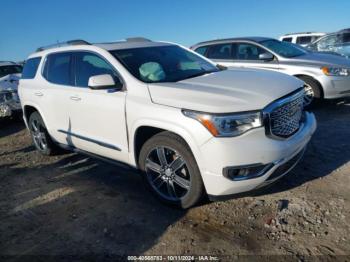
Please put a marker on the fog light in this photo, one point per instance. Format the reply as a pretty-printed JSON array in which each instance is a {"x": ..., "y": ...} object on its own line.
[{"x": 246, "y": 172}]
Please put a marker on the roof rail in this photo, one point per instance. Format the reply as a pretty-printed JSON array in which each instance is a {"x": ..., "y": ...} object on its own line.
[
  {"x": 299, "y": 33},
  {"x": 67, "y": 43},
  {"x": 137, "y": 39}
]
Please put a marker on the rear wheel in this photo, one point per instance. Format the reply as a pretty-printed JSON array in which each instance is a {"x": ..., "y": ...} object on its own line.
[
  {"x": 41, "y": 138},
  {"x": 170, "y": 170}
]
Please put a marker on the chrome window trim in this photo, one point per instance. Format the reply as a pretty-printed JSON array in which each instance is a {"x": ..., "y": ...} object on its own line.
[{"x": 72, "y": 53}]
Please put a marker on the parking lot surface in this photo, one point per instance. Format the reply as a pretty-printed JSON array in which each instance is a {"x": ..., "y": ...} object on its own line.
[{"x": 74, "y": 205}]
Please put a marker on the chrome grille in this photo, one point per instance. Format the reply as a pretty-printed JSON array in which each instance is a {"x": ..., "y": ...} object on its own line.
[{"x": 285, "y": 115}]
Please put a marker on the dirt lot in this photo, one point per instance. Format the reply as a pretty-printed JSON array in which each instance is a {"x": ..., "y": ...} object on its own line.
[{"x": 73, "y": 205}]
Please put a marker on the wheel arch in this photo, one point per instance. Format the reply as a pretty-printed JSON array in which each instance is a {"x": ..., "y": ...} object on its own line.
[
  {"x": 28, "y": 109},
  {"x": 145, "y": 130},
  {"x": 314, "y": 79}
]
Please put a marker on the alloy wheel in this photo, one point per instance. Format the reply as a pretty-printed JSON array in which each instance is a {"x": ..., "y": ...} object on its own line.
[
  {"x": 38, "y": 135},
  {"x": 309, "y": 95},
  {"x": 167, "y": 173}
]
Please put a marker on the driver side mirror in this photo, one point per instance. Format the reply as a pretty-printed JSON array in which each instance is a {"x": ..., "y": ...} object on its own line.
[
  {"x": 266, "y": 57},
  {"x": 106, "y": 81}
]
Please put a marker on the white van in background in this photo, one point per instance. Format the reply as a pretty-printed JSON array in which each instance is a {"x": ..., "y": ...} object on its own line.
[{"x": 302, "y": 39}]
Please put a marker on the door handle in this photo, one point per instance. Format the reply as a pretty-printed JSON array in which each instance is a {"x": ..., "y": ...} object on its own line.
[
  {"x": 38, "y": 94},
  {"x": 75, "y": 98}
]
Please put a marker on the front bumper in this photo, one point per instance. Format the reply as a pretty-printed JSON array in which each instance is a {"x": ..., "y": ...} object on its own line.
[
  {"x": 9, "y": 109},
  {"x": 335, "y": 86},
  {"x": 251, "y": 148},
  {"x": 9, "y": 104}
]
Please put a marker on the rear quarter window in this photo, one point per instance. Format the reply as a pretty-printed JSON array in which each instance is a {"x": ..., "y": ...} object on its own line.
[
  {"x": 30, "y": 68},
  {"x": 202, "y": 50}
]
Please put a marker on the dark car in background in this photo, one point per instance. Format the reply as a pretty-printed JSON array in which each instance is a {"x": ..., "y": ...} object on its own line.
[
  {"x": 10, "y": 73},
  {"x": 338, "y": 42}
]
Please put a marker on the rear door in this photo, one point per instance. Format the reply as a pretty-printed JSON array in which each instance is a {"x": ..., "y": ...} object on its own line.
[
  {"x": 54, "y": 91},
  {"x": 97, "y": 121},
  {"x": 220, "y": 53}
]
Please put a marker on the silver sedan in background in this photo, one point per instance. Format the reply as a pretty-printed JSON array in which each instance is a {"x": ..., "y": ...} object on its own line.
[{"x": 326, "y": 76}]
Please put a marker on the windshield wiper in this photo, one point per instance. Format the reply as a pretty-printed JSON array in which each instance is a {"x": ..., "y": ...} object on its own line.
[
  {"x": 196, "y": 75},
  {"x": 221, "y": 67}
]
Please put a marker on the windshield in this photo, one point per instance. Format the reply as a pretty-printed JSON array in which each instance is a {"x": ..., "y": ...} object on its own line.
[
  {"x": 283, "y": 49},
  {"x": 11, "y": 69},
  {"x": 163, "y": 63}
]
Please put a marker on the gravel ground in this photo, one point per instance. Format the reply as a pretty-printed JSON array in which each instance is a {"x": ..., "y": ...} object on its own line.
[{"x": 72, "y": 205}]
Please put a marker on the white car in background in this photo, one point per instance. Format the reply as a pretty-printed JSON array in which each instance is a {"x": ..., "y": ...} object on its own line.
[
  {"x": 302, "y": 39},
  {"x": 190, "y": 127},
  {"x": 10, "y": 73}
]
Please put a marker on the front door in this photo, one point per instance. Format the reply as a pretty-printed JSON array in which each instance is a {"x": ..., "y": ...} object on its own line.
[
  {"x": 247, "y": 55},
  {"x": 97, "y": 121}
]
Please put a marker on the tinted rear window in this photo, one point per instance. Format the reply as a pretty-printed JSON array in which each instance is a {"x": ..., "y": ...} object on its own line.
[
  {"x": 220, "y": 51},
  {"x": 9, "y": 70},
  {"x": 346, "y": 38},
  {"x": 58, "y": 68},
  {"x": 287, "y": 39},
  {"x": 304, "y": 40},
  {"x": 30, "y": 68}
]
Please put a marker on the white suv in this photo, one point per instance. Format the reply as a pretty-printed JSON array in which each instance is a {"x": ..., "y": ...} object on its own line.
[
  {"x": 189, "y": 126},
  {"x": 302, "y": 39}
]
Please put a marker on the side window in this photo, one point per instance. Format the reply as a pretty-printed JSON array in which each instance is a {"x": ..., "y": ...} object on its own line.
[
  {"x": 327, "y": 42},
  {"x": 221, "y": 51},
  {"x": 302, "y": 40},
  {"x": 314, "y": 38},
  {"x": 246, "y": 51},
  {"x": 287, "y": 39},
  {"x": 346, "y": 38},
  {"x": 30, "y": 68},
  {"x": 87, "y": 65},
  {"x": 57, "y": 68},
  {"x": 201, "y": 50}
]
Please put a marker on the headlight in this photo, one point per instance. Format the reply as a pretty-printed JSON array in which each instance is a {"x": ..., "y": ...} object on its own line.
[
  {"x": 335, "y": 71},
  {"x": 226, "y": 125}
]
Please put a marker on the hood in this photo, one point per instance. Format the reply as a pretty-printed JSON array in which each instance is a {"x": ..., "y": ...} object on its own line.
[
  {"x": 9, "y": 82},
  {"x": 225, "y": 91},
  {"x": 318, "y": 59}
]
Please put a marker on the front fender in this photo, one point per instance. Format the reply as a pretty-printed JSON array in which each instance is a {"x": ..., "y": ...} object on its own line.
[{"x": 194, "y": 142}]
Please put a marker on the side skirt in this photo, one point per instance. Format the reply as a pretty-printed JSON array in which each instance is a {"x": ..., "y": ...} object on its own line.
[{"x": 104, "y": 159}]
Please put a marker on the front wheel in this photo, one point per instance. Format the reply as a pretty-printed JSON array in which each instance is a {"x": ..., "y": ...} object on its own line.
[
  {"x": 313, "y": 93},
  {"x": 170, "y": 170}
]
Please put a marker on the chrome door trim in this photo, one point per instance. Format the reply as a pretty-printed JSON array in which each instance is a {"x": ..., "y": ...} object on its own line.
[{"x": 90, "y": 140}]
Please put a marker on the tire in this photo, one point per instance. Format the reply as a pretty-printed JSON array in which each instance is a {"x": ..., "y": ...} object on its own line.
[
  {"x": 41, "y": 138},
  {"x": 183, "y": 176},
  {"x": 312, "y": 86}
]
